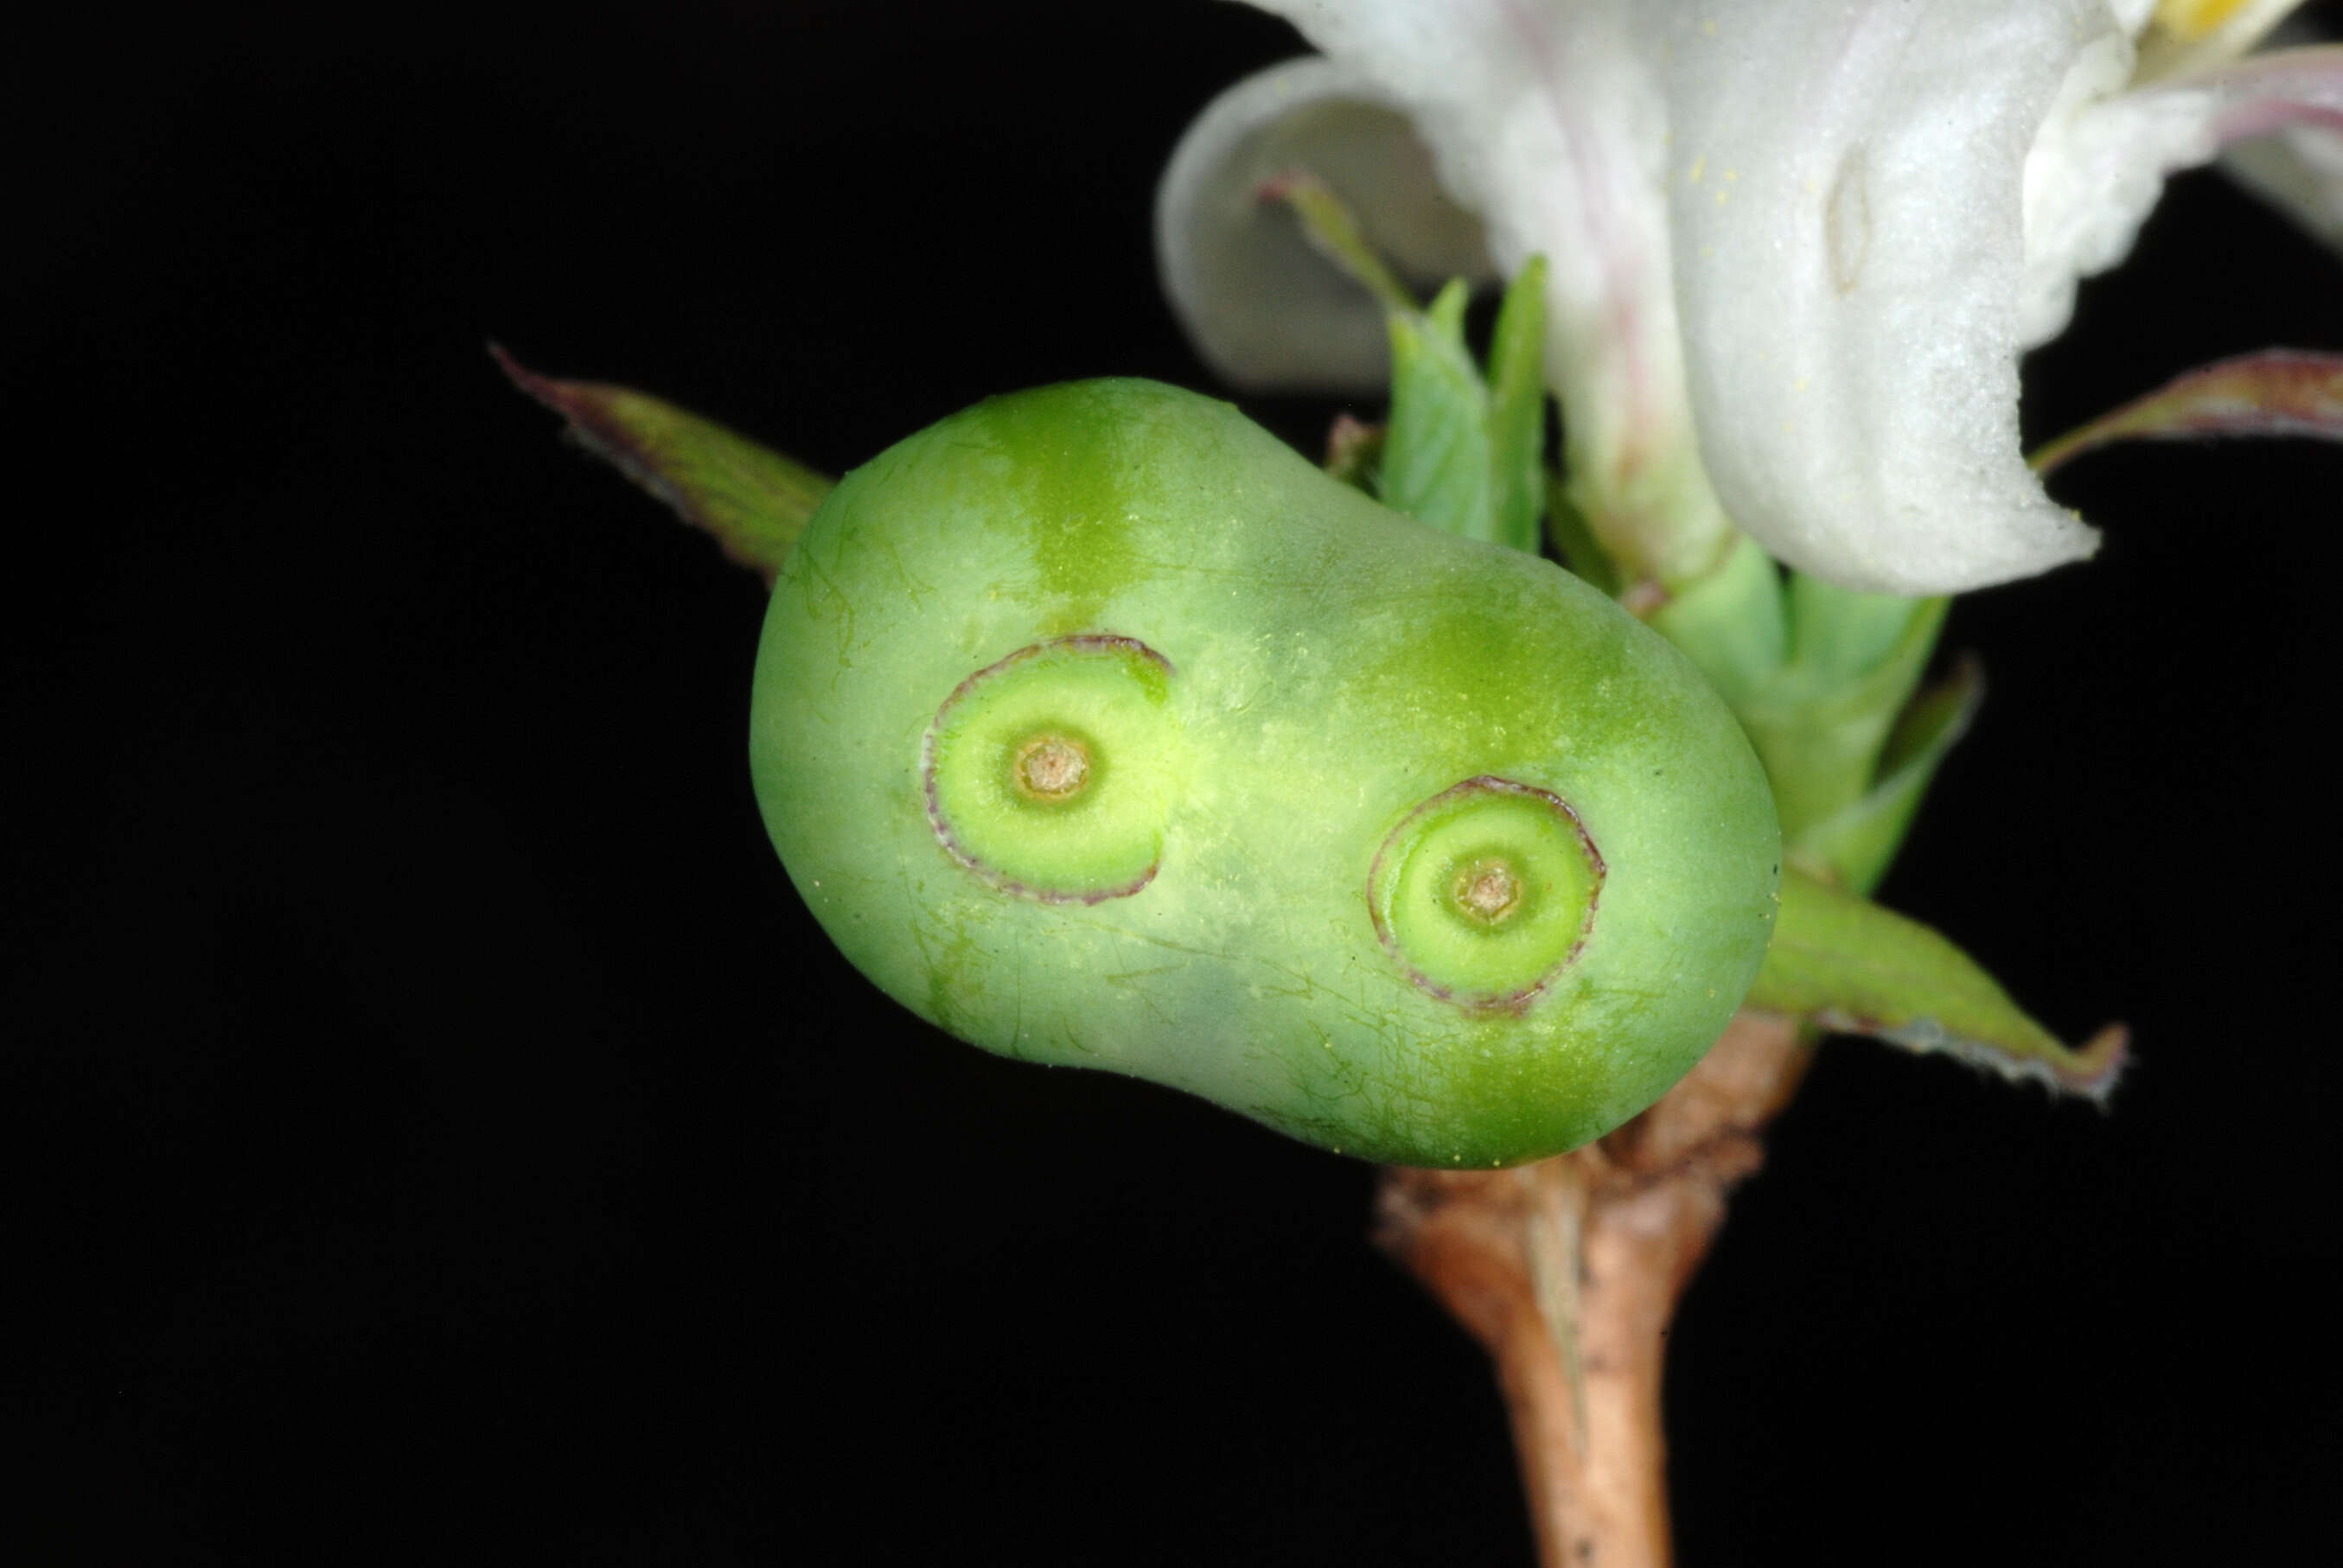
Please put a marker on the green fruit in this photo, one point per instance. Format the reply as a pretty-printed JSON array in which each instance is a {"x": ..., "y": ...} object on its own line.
[{"x": 1099, "y": 729}]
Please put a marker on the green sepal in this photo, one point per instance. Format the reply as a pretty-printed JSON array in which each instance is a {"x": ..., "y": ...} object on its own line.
[
  {"x": 755, "y": 502},
  {"x": 1732, "y": 624},
  {"x": 1848, "y": 965},
  {"x": 1821, "y": 721},
  {"x": 1816, "y": 674},
  {"x": 1840, "y": 635},
  {"x": 1854, "y": 846},
  {"x": 1821, "y": 679}
]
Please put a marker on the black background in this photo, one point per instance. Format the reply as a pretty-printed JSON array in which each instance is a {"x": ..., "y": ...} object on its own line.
[{"x": 434, "y": 1130}]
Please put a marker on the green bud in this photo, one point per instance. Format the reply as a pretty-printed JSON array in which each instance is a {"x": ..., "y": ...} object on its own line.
[{"x": 1100, "y": 729}]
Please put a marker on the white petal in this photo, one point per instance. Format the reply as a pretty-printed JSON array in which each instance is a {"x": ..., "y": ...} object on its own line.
[
  {"x": 1265, "y": 308},
  {"x": 1545, "y": 117},
  {"x": 2300, "y": 171},
  {"x": 2096, "y": 169},
  {"x": 1850, "y": 264}
]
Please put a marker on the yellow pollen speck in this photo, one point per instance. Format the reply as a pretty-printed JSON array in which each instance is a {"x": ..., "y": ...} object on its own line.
[
  {"x": 1692, "y": 173},
  {"x": 1799, "y": 385},
  {"x": 1708, "y": 29},
  {"x": 2191, "y": 19},
  {"x": 1731, "y": 174},
  {"x": 1721, "y": 196}
]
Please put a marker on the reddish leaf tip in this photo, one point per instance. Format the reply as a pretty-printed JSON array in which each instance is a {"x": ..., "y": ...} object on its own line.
[
  {"x": 566, "y": 399},
  {"x": 2094, "y": 1068},
  {"x": 519, "y": 374}
]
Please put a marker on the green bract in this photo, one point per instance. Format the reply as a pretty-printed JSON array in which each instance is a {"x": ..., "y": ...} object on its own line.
[{"x": 1099, "y": 729}]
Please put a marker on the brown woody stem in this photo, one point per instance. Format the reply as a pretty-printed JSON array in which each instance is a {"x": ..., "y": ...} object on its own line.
[{"x": 1568, "y": 1272}]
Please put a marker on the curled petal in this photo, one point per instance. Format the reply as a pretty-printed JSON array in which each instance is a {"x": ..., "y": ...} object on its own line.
[
  {"x": 2098, "y": 164},
  {"x": 1851, "y": 262},
  {"x": 1261, "y": 305}
]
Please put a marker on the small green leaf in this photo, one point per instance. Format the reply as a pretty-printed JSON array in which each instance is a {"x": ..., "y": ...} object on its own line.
[
  {"x": 1463, "y": 450},
  {"x": 1517, "y": 410},
  {"x": 1849, "y": 965},
  {"x": 1436, "y": 455},
  {"x": 754, "y": 501},
  {"x": 2277, "y": 392},
  {"x": 1854, "y": 846}
]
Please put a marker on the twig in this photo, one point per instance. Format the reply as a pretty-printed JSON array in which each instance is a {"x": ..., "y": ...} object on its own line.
[{"x": 1568, "y": 1273}]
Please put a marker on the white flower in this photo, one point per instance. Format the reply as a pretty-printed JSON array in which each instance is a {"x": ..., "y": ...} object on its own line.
[{"x": 1795, "y": 247}]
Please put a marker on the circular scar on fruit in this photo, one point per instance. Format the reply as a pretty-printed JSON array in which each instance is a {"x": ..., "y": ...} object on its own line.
[
  {"x": 1487, "y": 892},
  {"x": 1044, "y": 773}
]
